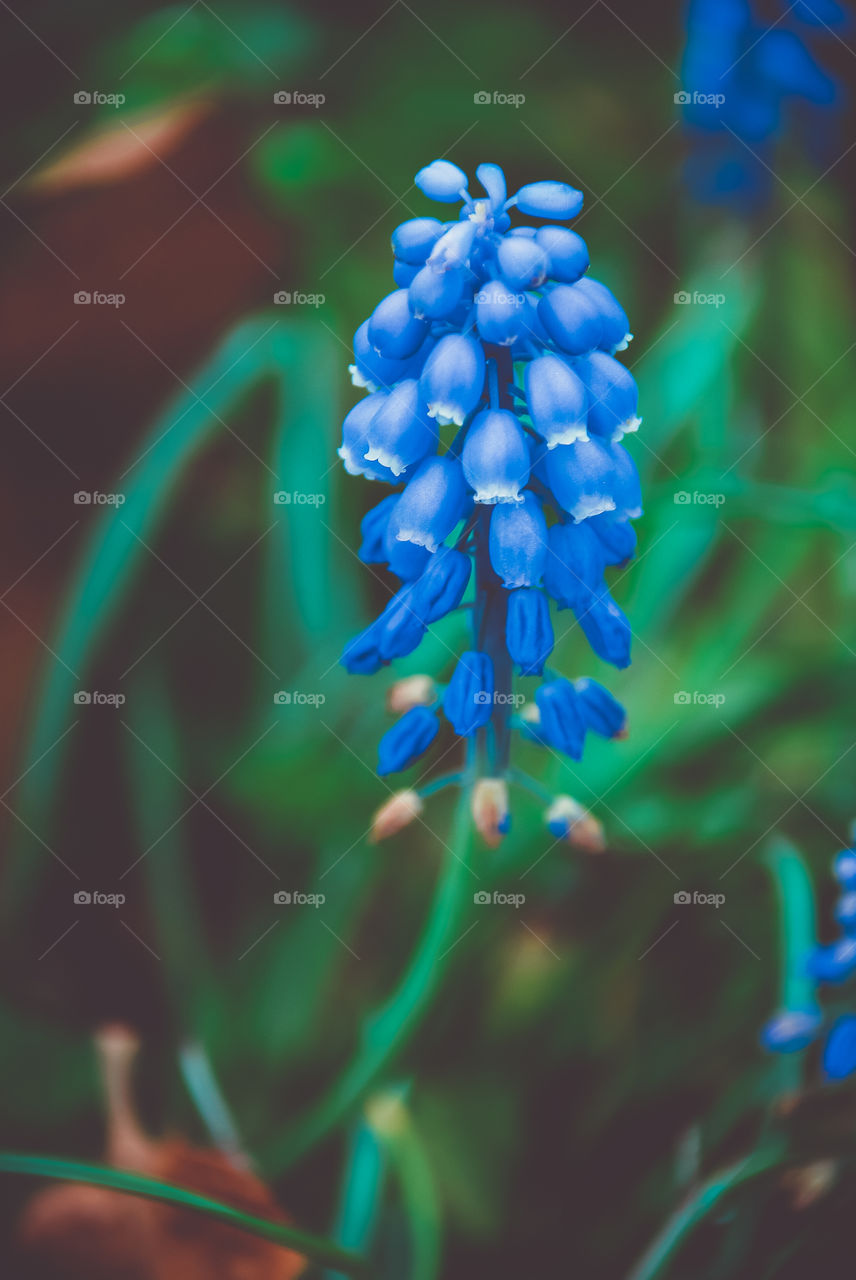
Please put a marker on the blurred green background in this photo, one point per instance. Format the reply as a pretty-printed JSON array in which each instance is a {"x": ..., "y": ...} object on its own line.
[{"x": 574, "y": 1067}]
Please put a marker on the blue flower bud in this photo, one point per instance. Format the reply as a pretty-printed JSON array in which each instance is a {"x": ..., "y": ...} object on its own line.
[
  {"x": 493, "y": 180},
  {"x": 574, "y": 567},
  {"x": 453, "y": 378},
  {"x": 405, "y": 559},
  {"x": 355, "y": 431},
  {"x": 791, "y": 1031},
  {"x": 400, "y": 628},
  {"x": 407, "y": 740},
  {"x": 518, "y": 542},
  {"x": 434, "y": 501},
  {"x": 495, "y": 457},
  {"x": 394, "y": 331},
  {"x": 582, "y": 476},
  {"x": 468, "y": 700},
  {"x": 373, "y": 371},
  {"x": 557, "y": 401},
  {"x": 528, "y": 630},
  {"x": 845, "y": 911},
  {"x": 567, "y": 252},
  {"x": 615, "y": 327},
  {"x": 361, "y": 656},
  {"x": 571, "y": 318},
  {"x": 401, "y": 434},
  {"x": 523, "y": 262},
  {"x": 441, "y": 180},
  {"x": 404, "y": 273},
  {"x": 601, "y": 712},
  {"x": 436, "y": 292},
  {"x": 844, "y": 868},
  {"x": 627, "y": 490},
  {"x": 839, "y": 1053},
  {"x": 616, "y": 535},
  {"x": 835, "y": 963},
  {"x": 549, "y": 200},
  {"x": 441, "y": 587},
  {"x": 373, "y": 528},
  {"x": 613, "y": 396},
  {"x": 784, "y": 60},
  {"x": 606, "y": 628},
  {"x": 500, "y": 313},
  {"x": 414, "y": 239},
  {"x": 561, "y": 724},
  {"x": 454, "y": 247}
]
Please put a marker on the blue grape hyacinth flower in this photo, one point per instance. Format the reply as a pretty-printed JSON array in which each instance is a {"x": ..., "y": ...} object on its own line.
[
  {"x": 829, "y": 965},
  {"x": 749, "y": 75},
  {"x": 496, "y": 409}
]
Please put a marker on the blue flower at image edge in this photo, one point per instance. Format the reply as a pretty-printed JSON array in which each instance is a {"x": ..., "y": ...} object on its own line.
[{"x": 495, "y": 408}]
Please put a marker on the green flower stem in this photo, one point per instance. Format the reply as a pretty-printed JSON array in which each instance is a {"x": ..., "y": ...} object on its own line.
[
  {"x": 389, "y": 1028},
  {"x": 656, "y": 1261},
  {"x": 362, "y": 1191},
  {"x": 797, "y": 936},
  {"x": 316, "y": 1248}
]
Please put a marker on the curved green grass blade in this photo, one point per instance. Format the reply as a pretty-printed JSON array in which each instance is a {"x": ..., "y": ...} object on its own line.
[{"x": 317, "y": 1248}]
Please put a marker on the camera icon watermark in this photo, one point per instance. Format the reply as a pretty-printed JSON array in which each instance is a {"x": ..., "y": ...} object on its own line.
[
  {"x": 87, "y": 298},
  {"x": 482, "y": 698},
  {"x": 94, "y": 698},
  {"x": 95, "y": 98},
  {"x": 84, "y": 898},
  {"x": 698, "y": 699},
  {"x": 294, "y": 898},
  {"x": 683, "y": 898},
  {"x": 683, "y": 298},
  {"x": 497, "y": 98},
  {"x": 95, "y": 498},
  {"x": 698, "y": 498},
  {"x": 296, "y": 698},
  {"x": 482, "y": 898},
  {"x": 296, "y": 498},
  {"x": 297, "y": 98},
  {"x": 695, "y": 98}
]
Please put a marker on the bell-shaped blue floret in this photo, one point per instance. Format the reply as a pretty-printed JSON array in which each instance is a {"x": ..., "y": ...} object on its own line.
[
  {"x": 528, "y": 630},
  {"x": 401, "y": 433},
  {"x": 434, "y": 501},
  {"x": 557, "y": 401},
  {"x": 453, "y": 378},
  {"x": 606, "y": 628},
  {"x": 791, "y": 1031},
  {"x": 361, "y": 656},
  {"x": 627, "y": 491},
  {"x": 495, "y": 457},
  {"x": 373, "y": 371},
  {"x": 400, "y": 628},
  {"x": 614, "y": 325},
  {"x": 601, "y": 712},
  {"x": 566, "y": 251},
  {"x": 834, "y": 963},
  {"x": 441, "y": 586},
  {"x": 844, "y": 868},
  {"x": 549, "y": 200},
  {"x": 518, "y": 542},
  {"x": 355, "y": 434},
  {"x": 616, "y": 535},
  {"x": 413, "y": 240},
  {"x": 493, "y": 180},
  {"x": 500, "y": 313},
  {"x": 468, "y": 700},
  {"x": 571, "y": 318},
  {"x": 436, "y": 292},
  {"x": 404, "y": 273},
  {"x": 394, "y": 331},
  {"x": 407, "y": 740},
  {"x": 373, "y": 527},
  {"x": 839, "y": 1052},
  {"x": 784, "y": 61},
  {"x": 582, "y": 477},
  {"x": 561, "y": 725},
  {"x": 845, "y": 911},
  {"x": 613, "y": 396},
  {"x": 574, "y": 567},
  {"x": 523, "y": 262},
  {"x": 441, "y": 180}
]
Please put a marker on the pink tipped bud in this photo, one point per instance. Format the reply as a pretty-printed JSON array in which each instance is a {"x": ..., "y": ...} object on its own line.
[
  {"x": 490, "y": 809},
  {"x": 399, "y": 810},
  {"x": 412, "y": 691},
  {"x": 568, "y": 820}
]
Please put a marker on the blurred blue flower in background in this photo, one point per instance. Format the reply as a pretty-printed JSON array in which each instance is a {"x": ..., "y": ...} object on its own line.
[
  {"x": 744, "y": 77},
  {"x": 792, "y": 1030},
  {"x": 494, "y": 397}
]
